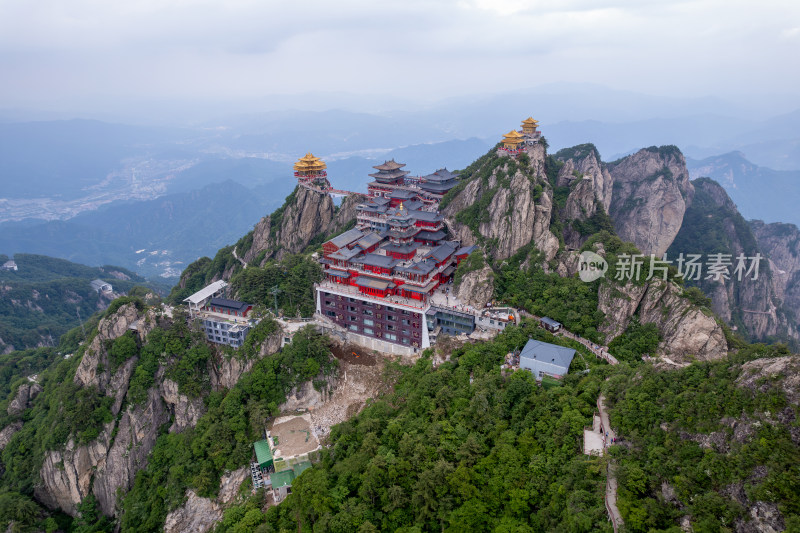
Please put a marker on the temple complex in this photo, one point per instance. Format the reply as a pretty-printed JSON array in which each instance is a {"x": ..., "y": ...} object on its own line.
[
  {"x": 382, "y": 276},
  {"x": 516, "y": 142}
]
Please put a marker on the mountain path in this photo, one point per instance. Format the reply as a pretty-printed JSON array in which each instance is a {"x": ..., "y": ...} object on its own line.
[{"x": 611, "y": 477}]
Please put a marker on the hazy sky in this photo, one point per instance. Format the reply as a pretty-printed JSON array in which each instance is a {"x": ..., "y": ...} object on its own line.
[{"x": 75, "y": 54}]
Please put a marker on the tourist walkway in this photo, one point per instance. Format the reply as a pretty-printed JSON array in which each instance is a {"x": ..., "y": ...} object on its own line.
[
  {"x": 596, "y": 349},
  {"x": 611, "y": 474}
]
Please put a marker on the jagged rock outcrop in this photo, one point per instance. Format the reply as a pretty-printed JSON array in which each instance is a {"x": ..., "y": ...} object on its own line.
[
  {"x": 106, "y": 464},
  {"x": 590, "y": 186},
  {"x": 230, "y": 484},
  {"x": 516, "y": 213},
  {"x": 773, "y": 372},
  {"x": 8, "y": 432},
  {"x": 746, "y": 300},
  {"x": 5, "y": 348},
  {"x": 780, "y": 244},
  {"x": 67, "y": 474},
  {"x": 585, "y": 161},
  {"x": 687, "y": 333},
  {"x": 197, "y": 515},
  {"x": 225, "y": 370},
  {"x": 651, "y": 191},
  {"x": 186, "y": 411},
  {"x": 135, "y": 437},
  {"x": 306, "y": 214},
  {"x": 476, "y": 288},
  {"x": 95, "y": 369},
  {"x": 23, "y": 398}
]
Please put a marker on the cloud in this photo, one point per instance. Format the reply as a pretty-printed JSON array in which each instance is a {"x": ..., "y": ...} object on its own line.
[{"x": 53, "y": 52}]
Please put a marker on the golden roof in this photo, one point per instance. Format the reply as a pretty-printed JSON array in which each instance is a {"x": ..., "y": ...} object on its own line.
[
  {"x": 512, "y": 135},
  {"x": 530, "y": 120},
  {"x": 309, "y": 163}
]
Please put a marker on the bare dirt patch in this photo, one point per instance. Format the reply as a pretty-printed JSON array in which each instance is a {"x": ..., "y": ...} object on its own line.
[
  {"x": 293, "y": 436},
  {"x": 354, "y": 354},
  {"x": 359, "y": 378}
]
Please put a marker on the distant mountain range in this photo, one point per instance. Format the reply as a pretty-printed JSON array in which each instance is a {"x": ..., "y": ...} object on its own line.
[
  {"x": 758, "y": 192},
  {"x": 110, "y": 190},
  {"x": 154, "y": 237}
]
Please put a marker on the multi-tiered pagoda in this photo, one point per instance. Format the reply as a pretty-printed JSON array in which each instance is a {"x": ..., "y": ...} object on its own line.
[
  {"x": 310, "y": 171},
  {"x": 389, "y": 176},
  {"x": 515, "y": 142}
]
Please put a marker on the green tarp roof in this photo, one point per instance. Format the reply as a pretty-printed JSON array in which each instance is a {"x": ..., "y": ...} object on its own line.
[
  {"x": 301, "y": 467},
  {"x": 282, "y": 479},
  {"x": 263, "y": 453}
]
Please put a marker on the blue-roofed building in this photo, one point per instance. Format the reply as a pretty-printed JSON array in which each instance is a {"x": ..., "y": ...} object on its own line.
[{"x": 545, "y": 359}]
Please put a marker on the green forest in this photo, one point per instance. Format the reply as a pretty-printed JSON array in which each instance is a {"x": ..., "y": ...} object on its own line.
[
  {"x": 457, "y": 448},
  {"x": 47, "y": 296}
]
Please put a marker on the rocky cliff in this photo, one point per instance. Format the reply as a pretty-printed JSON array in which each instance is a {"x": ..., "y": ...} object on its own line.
[
  {"x": 200, "y": 515},
  {"x": 780, "y": 244},
  {"x": 749, "y": 302},
  {"x": 651, "y": 191},
  {"x": 108, "y": 464},
  {"x": 225, "y": 370},
  {"x": 590, "y": 191},
  {"x": 26, "y": 393},
  {"x": 687, "y": 332},
  {"x": 476, "y": 288},
  {"x": 505, "y": 205},
  {"x": 305, "y": 215}
]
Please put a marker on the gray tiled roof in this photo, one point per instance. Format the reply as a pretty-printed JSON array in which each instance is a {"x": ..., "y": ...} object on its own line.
[
  {"x": 442, "y": 252},
  {"x": 346, "y": 238},
  {"x": 422, "y": 268},
  {"x": 427, "y": 216},
  {"x": 441, "y": 175},
  {"x": 370, "y": 239},
  {"x": 377, "y": 260},
  {"x": 538, "y": 351},
  {"x": 402, "y": 194},
  {"x": 346, "y": 253},
  {"x": 412, "y": 205},
  {"x": 431, "y": 235},
  {"x": 465, "y": 250},
  {"x": 233, "y": 305}
]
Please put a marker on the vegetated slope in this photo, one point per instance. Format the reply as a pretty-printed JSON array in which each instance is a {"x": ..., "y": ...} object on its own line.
[
  {"x": 459, "y": 447},
  {"x": 463, "y": 447},
  {"x": 75, "y": 435},
  {"x": 712, "y": 225},
  {"x": 42, "y": 299},
  {"x": 714, "y": 445}
]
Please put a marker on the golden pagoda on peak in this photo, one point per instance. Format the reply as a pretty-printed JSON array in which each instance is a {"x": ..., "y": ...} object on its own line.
[
  {"x": 529, "y": 126},
  {"x": 512, "y": 140},
  {"x": 309, "y": 166}
]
